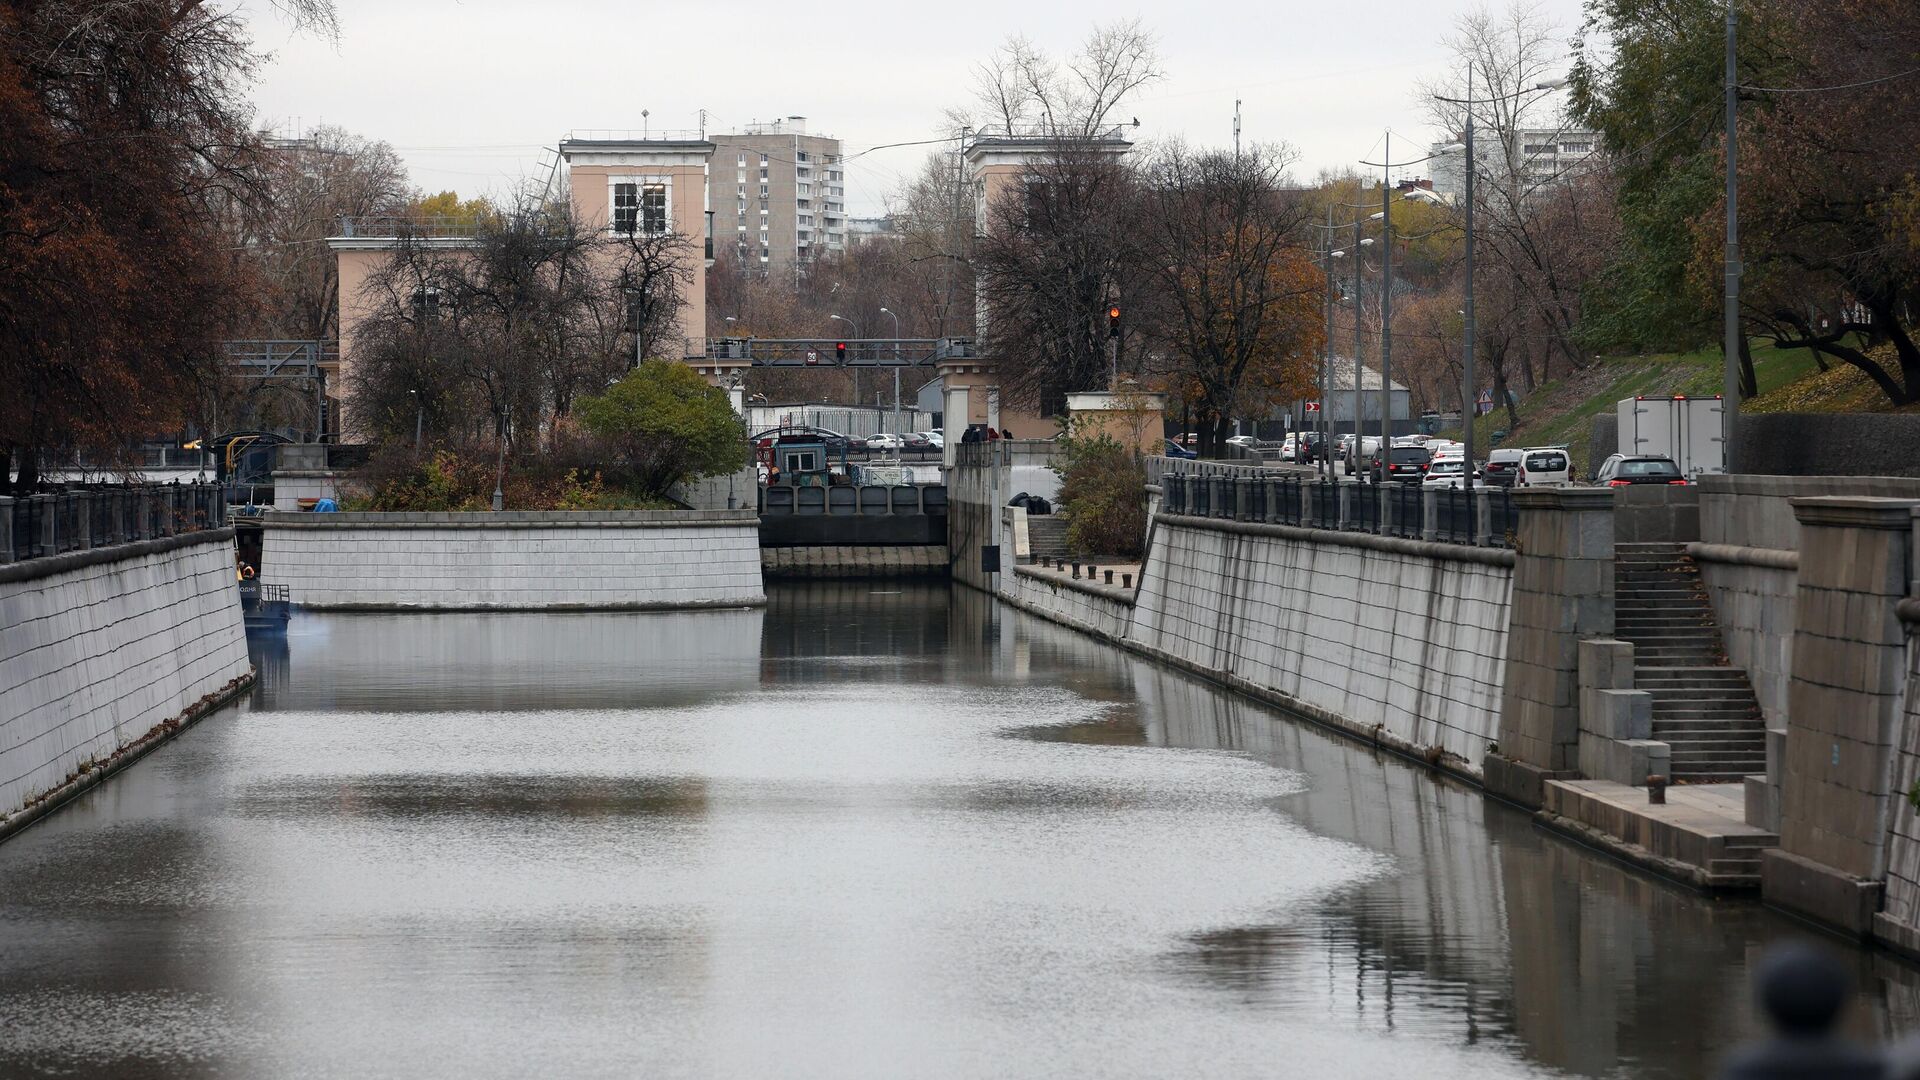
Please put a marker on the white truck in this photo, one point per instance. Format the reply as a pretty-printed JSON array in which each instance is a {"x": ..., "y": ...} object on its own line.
[{"x": 1691, "y": 431}]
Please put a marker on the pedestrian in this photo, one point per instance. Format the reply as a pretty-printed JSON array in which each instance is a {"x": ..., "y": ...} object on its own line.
[{"x": 1006, "y": 433}]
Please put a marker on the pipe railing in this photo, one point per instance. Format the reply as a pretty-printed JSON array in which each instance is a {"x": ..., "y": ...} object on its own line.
[{"x": 101, "y": 515}]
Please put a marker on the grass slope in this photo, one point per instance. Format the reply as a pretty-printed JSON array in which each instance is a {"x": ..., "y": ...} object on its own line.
[{"x": 1561, "y": 412}]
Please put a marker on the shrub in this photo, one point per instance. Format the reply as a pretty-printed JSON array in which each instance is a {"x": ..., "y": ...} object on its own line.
[
  {"x": 666, "y": 424},
  {"x": 1103, "y": 491}
]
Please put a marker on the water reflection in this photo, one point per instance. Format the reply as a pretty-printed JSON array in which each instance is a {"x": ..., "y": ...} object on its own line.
[{"x": 868, "y": 831}]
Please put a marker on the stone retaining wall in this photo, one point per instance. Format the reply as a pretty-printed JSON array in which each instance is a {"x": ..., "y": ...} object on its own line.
[
  {"x": 590, "y": 560},
  {"x": 100, "y": 648},
  {"x": 1399, "y": 641},
  {"x": 1106, "y": 610},
  {"x": 825, "y": 563}
]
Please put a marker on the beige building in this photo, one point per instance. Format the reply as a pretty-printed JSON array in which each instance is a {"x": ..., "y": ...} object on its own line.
[
  {"x": 616, "y": 185},
  {"x": 779, "y": 195}
]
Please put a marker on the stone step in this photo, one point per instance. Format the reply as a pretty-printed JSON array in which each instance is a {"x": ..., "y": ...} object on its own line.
[
  {"x": 1751, "y": 841},
  {"x": 1709, "y": 777},
  {"x": 1704, "y": 676},
  {"x": 1686, "y": 748}
]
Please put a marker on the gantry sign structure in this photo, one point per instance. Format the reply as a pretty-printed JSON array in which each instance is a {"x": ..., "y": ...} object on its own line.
[{"x": 837, "y": 352}]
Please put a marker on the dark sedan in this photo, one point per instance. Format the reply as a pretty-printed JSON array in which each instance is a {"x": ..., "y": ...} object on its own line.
[{"x": 1622, "y": 470}]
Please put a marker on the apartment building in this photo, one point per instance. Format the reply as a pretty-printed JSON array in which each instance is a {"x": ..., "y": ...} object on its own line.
[
  {"x": 1538, "y": 156},
  {"x": 779, "y": 195}
]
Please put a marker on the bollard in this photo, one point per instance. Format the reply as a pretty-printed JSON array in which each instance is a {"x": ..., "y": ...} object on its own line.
[
  {"x": 1076, "y": 570},
  {"x": 1126, "y": 581},
  {"x": 1657, "y": 790},
  {"x": 1109, "y": 577},
  {"x": 1092, "y": 571}
]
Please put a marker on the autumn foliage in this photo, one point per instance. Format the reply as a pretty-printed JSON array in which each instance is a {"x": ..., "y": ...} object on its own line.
[{"x": 126, "y": 158}]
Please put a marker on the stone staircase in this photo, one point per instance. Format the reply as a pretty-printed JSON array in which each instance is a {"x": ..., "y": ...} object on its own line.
[
  {"x": 1047, "y": 536},
  {"x": 1703, "y": 707}
]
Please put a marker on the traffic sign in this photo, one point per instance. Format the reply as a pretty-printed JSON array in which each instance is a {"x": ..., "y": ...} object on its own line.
[
  {"x": 813, "y": 356},
  {"x": 1313, "y": 406}
]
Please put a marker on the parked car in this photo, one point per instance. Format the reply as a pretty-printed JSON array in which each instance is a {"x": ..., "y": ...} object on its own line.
[
  {"x": 1290, "y": 448},
  {"x": 937, "y": 440},
  {"x": 1503, "y": 467},
  {"x": 1621, "y": 470},
  {"x": 1545, "y": 467},
  {"x": 1449, "y": 472},
  {"x": 1247, "y": 441},
  {"x": 1311, "y": 448},
  {"x": 1405, "y": 464},
  {"x": 886, "y": 441},
  {"x": 916, "y": 440},
  {"x": 1175, "y": 450},
  {"x": 834, "y": 440}
]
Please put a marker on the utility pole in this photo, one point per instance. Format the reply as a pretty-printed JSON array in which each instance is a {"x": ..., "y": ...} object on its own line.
[
  {"x": 1236, "y": 131},
  {"x": 1357, "y": 401},
  {"x": 1730, "y": 390},
  {"x": 1326, "y": 359},
  {"x": 1469, "y": 398},
  {"x": 1386, "y": 308}
]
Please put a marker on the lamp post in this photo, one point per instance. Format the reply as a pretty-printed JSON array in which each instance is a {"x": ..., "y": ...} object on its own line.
[
  {"x": 1730, "y": 385},
  {"x": 1385, "y": 216},
  {"x": 419, "y": 420},
  {"x": 896, "y": 367}
]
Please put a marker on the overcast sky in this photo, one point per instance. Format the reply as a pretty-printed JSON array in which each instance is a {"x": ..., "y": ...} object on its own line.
[{"x": 470, "y": 92}]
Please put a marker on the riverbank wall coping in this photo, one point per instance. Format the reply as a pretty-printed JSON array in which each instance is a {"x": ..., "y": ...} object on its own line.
[{"x": 514, "y": 519}]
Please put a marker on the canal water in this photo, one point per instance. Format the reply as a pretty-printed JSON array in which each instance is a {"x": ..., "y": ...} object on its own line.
[{"x": 870, "y": 831}]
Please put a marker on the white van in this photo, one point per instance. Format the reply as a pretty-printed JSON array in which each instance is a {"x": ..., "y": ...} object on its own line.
[{"x": 1545, "y": 466}]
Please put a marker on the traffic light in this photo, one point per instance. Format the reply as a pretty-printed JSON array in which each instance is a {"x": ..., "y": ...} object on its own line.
[
  {"x": 839, "y": 352},
  {"x": 1113, "y": 321}
]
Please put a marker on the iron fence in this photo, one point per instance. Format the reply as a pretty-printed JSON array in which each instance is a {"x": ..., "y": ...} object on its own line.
[
  {"x": 98, "y": 515},
  {"x": 1483, "y": 517}
]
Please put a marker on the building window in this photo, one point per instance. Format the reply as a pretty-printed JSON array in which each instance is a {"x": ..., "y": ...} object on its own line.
[
  {"x": 639, "y": 205},
  {"x": 801, "y": 156},
  {"x": 763, "y": 174},
  {"x": 1538, "y": 148},
  {"x": 743, "y": 159},
  {"x": 763, "y": 161},
  {"x": 626, "y": 207},
  {"x": 653, "y": 208},
  {"x": 1577, "y": 148},
  {"x": 763, "y": 191}
]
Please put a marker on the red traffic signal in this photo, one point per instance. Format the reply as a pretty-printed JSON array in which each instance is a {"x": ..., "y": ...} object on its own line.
[
  {"x": 1113, "y": 321},
  {"x": 840, "y": 352}
]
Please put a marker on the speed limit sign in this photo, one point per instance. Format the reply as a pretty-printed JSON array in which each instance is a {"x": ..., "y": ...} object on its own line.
[{"x": 813, "y": 357}]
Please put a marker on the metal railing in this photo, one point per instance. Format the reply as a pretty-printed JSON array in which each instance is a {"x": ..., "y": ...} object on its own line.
[
  {"x": 1484, "y": 517},
  {"x": 100, "y": 515}
]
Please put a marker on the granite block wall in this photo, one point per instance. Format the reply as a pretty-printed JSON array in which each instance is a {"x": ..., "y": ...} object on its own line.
[
  {"x": 99, "y": 648},
  {"x": 1106, "y": 610},
  {"x": 1396, "y": 639},
  {"x": 1847, "y": 693},
  {"x": 1562, "y": 593},
  {"x": 606, "y": 560}
]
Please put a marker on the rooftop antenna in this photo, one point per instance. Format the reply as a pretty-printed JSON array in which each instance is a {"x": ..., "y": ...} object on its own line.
[
  {"x": 643, "y": 122},
  {"x": 1236, "y": 129}
]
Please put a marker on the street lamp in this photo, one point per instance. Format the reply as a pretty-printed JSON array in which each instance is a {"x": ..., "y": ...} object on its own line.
[
  {"x": 896, "y": 366},
  {"x": 1469, "y": 395}
]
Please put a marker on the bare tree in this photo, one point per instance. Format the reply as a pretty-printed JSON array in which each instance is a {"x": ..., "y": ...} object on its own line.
[
  {"x": 1237, "y": 317},
  {"x": 1022, "y": 89},
  {"x": 1546, "y": 231}
]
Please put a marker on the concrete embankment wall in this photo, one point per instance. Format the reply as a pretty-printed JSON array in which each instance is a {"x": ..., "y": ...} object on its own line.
[
  {"x": 589, "y": 560},
  {"x": 832, "y": 563},
  {"x": 1399, "y": 641},
  {"x": 1749, "y": 555},
  {"x": 106, "y": 650},
  {"x": 1106, "y": 610}
]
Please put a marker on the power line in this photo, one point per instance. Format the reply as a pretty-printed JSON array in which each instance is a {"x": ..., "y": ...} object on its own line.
[{"x": 1825, "y": 89}]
